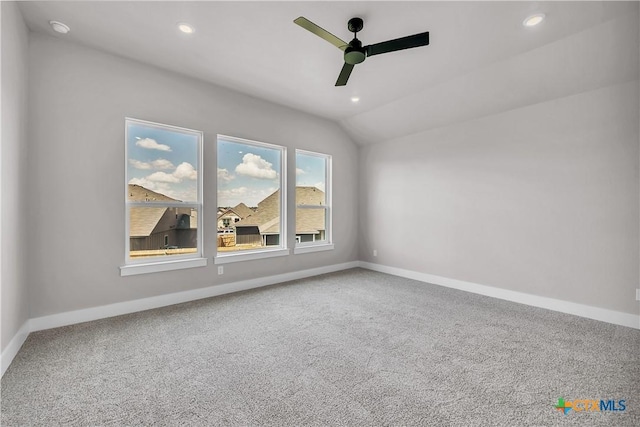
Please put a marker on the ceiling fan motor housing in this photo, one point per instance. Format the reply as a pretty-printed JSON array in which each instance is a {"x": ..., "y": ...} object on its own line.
[{"x": 354, "y": 53}]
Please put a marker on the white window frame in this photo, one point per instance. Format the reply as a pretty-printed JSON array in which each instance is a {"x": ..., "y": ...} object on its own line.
[
  {"x": 327, "y": 244},
  {"x": 282, "y": 250},
  {"x": 174, "y": 262}
]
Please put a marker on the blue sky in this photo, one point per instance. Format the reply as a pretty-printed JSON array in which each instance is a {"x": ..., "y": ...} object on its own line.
[
  {"x": 163, "y": 160},
  {"x": 310, "y": 171},
  {"x": 248, "y": 173},
  {"x": 166, "y": 161}
]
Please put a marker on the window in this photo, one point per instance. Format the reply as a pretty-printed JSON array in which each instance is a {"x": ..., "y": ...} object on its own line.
[
  {"x": 251, "y": 200},
  {"x": 313, "y": 202},
  {"x": 163, "y": 197}
]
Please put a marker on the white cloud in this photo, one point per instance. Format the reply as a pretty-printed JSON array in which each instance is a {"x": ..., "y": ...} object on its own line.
[
  {"x": 162, "y": 164},
  {"x": 141, "y": 182},
  {"x": 155, "y": 164},
  {"x": 224, "y": 175},
  {"x": 163, "y": 177},
  {"x": 233, "y": 192},
  {"x": 158, "y": 187},
  {"x": 186, "y": 171},
  {"x": 233, "y": 196},
  {"x": 166, "y": 183},
  {"x": 189, "y": 194},
  {"x": 299, "y": 171},
  {"x": 139, "y": 165},
  {"x": 255, "y": 166},
  {"x": 151, "y": 144},
  {"x": 183, "y": 171},
  {"x": 250, "y": 197}
]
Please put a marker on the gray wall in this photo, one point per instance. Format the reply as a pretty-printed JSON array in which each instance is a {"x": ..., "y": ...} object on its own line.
[
  {"x": 542, "y": 199},
  {"x": 15, "y": 308},
  {"x": 553, "y": 212},
  {"x": 78, "y": 100}
]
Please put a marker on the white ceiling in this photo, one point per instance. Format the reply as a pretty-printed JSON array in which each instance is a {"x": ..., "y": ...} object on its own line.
[{"x": 479, "y": 60}]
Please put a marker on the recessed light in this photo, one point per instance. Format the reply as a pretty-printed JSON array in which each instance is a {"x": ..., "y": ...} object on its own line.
[
  {"x": 355, "y": 99},
  {"x": 533, "y": 20},
  {"x": 186, "y": 28},
  {"x": 59, "y": 27}
]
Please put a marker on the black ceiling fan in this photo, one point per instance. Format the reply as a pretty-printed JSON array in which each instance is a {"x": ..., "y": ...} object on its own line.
[{"x": 354, "y": 52}]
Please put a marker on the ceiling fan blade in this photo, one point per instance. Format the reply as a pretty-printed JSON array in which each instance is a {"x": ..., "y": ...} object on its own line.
[
  {"x": 321, "y": 32},
  {"x": 344, "y": 74},
  {"x": 415, "y": 40}
]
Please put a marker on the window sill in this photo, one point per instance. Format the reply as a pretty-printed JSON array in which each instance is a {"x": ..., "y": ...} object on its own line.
[
  {"x": 155, "y": 267},
  {"x": 313, "y": 248},
  {"x": 248, "y": 256}
]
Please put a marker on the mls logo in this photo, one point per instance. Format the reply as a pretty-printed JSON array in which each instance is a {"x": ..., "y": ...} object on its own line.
[{"x": 590, "y": 405}]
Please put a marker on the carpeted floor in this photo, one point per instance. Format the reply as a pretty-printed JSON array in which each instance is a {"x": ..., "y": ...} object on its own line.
[{"x": 355, "y": 348}]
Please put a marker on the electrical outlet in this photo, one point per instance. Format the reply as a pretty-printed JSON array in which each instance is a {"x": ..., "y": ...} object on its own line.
[
  {"x": 637, "y": 294},
  {"x": 375, "y": 252},
  {"x": 220, "y": 269}
]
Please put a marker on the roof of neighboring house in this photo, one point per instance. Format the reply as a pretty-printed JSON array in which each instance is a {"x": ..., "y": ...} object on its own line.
[
  {"x": 309, "y": 196},
  {"x": 141, "y": 194},
  {"x": 242, "y": 210},
  {"x": 268, "y": 210},
  {"x": 143, "y": 220},
  {"x": 308, "y": 221},
  {"x": 228, "y": 212}
]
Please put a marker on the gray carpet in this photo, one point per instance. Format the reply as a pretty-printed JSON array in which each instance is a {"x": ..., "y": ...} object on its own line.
[{"x": 349, "y": 348}]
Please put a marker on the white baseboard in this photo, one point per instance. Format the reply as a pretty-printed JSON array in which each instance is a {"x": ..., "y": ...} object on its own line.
[
  {"x": 14, "y": 346},
  {"x": 117, "y": 309},
  {"x": 596, "y": 313}
]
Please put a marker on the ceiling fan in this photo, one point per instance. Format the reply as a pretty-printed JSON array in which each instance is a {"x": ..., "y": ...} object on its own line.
[{"x": 354, "y": 52}]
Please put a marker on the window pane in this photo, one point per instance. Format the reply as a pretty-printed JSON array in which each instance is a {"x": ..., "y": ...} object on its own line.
[
  {"x": 311, "y": 179},
  {"x": 163, "y": 192},
  {"x": 310, "y": 225},
  {"x": 248, "y": 196},
  {"x": 162, "y": 231},
  {"x": 162, "y": 161}
]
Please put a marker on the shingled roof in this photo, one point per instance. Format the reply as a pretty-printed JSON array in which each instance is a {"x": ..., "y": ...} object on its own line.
[
  {"x": 242, "y": 210},
  {"x": 140, "y": 194},
  {"x": 308, "y": 221},
  {"x": 142, "y": 220},
  {"x": 268, "y": 210}
]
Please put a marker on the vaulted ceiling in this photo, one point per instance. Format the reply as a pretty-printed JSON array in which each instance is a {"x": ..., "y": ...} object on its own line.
[{"x": 481, "y": 59}]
